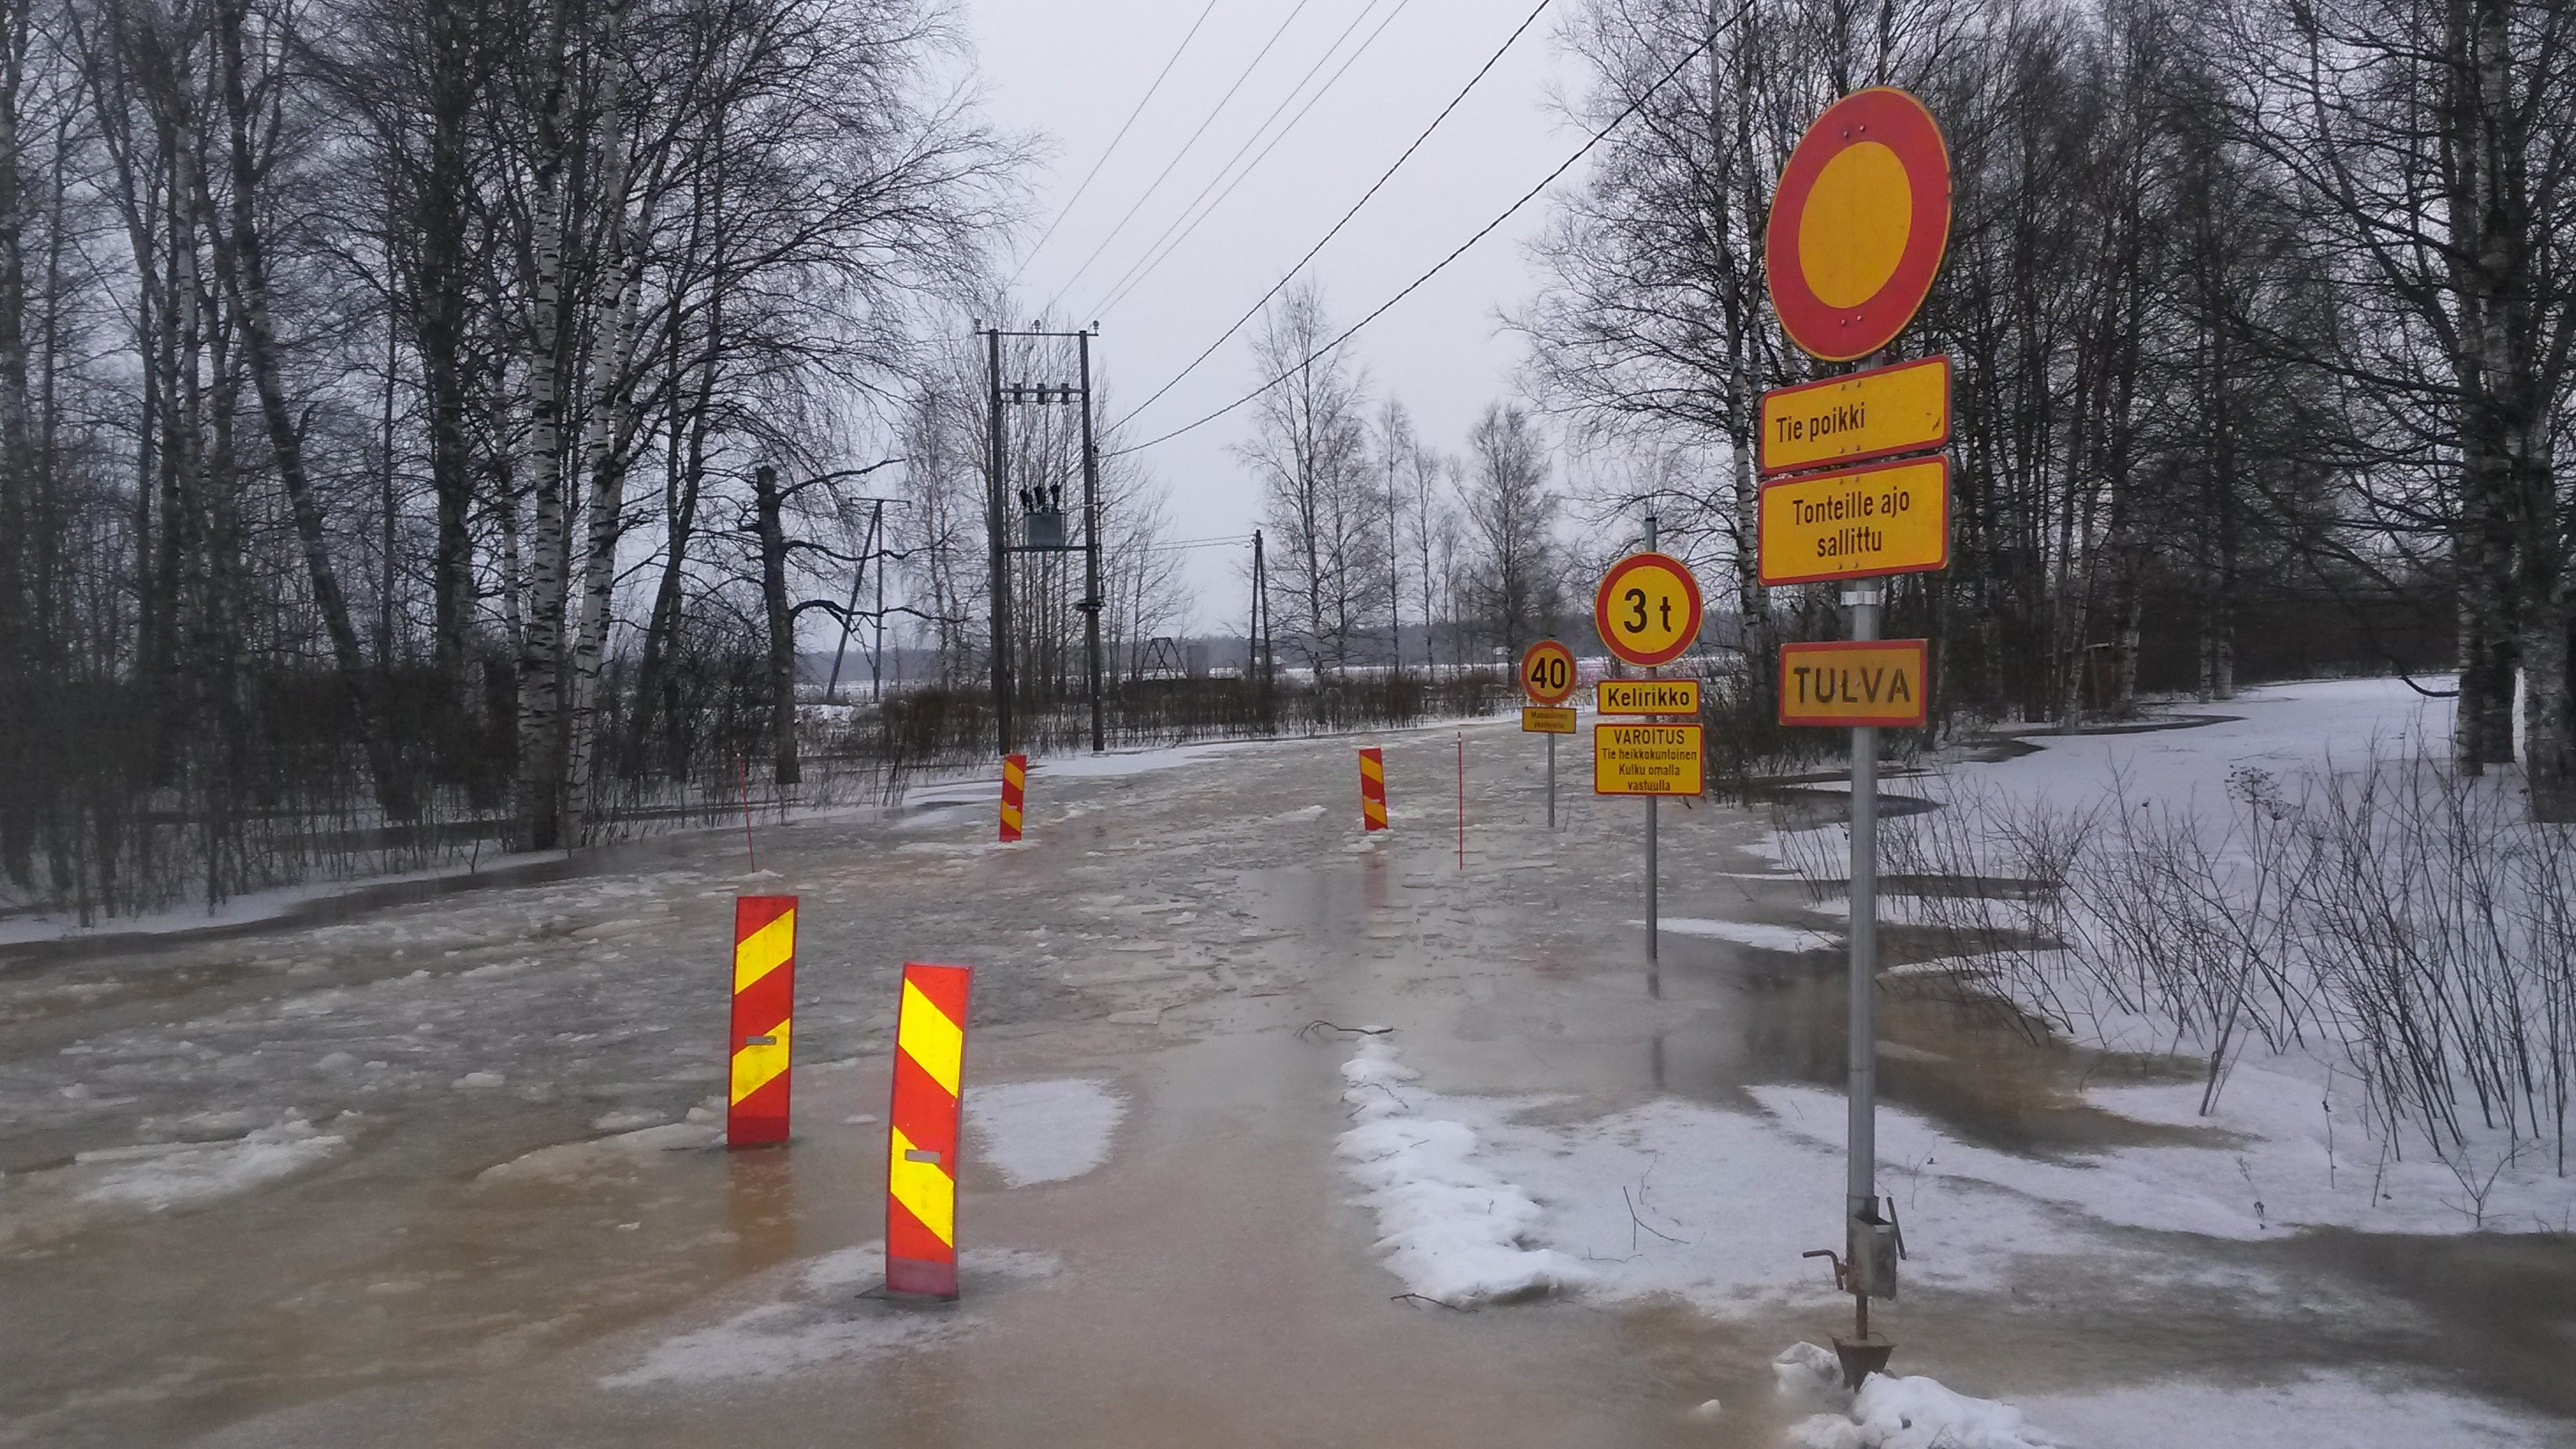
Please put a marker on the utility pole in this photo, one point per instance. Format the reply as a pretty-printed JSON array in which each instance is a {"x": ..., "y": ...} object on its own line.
[
  {"x": 1091, "y": 601},
  {"x": 876, "y": 660},
  {"x": 995, "y": 520},
  {"x": 850, "y": 613},
  {"x": 1255, "y": 672}
]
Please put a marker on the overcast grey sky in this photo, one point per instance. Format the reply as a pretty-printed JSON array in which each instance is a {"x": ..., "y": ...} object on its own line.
[{"x": 1075, "y": 69}]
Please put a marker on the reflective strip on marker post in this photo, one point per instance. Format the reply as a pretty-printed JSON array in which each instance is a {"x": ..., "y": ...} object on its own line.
[
  {"x": 921, "y": 1136},
  {"x": 764, "y": 1005},
  {"x": 1015, "y": 789},
  {"x": 1372, "y": 790}
]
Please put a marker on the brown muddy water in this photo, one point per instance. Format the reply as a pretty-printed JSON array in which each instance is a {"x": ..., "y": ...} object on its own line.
[{"x": 1171, "y": 933}]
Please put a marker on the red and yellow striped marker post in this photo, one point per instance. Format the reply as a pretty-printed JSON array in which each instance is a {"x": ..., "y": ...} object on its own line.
[
  {"x": 1372, "y": 790},
  {"x": 1015, "y": 790},
  {"x": 921, "y": 1137},
  {"x": 764, "y": 1007}
]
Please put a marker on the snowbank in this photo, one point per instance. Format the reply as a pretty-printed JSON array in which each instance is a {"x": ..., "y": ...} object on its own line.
[{"x": 1451, "y": 1229}]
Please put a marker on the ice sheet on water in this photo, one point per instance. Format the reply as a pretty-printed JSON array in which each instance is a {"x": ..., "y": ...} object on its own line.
[
  {"x": 617, "y": 1153},
  {"x": 1745, "y": 933},
  {"x": 1051, "y": 1131},
  {"x": 1119, "y": 763},
  {"x": 177, "y": 1176},
  {"x": 819, "y": 1318}
]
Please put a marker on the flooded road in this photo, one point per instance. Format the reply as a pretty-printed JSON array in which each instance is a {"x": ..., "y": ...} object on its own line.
[{"x": 443, "y": 1173}]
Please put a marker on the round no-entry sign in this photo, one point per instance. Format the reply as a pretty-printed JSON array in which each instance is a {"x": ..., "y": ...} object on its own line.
[
  {"x": 1858, "y": 225},
  {"x": 1547, "y": 672},
  {"x": 1647, "y": 609}
]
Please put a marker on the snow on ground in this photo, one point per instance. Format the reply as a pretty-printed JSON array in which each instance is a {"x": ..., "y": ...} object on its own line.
[
  {"x": 2322, "y": 1411},
  {"x": 1743, "y": 933},
  {"x": 2279, "y": 728},
  {"x": 1451, "y": 1229},
  {"x": 819, "y": 1317},
  {"x": 2271, "y": 1164},
  {"x": 1051, "y": 1131},
  {"x": 2292, "y": 1139},
  {"x": 2328, "y": 1411},
  {"x": 1477, "y": 1200}
]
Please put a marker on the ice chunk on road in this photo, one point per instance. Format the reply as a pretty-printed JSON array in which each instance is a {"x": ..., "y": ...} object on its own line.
[
  {"x": 818, "y": 1320},
  {"x": 1450, "y": 1227},
  {"x": 619, "y": 1153},
  {"x": 1897, "y": 1413},
  {"x": 1050, "y": 1131},
  {"x": 1745, "y": 933},
  {"x": 193, "y": 1174}
]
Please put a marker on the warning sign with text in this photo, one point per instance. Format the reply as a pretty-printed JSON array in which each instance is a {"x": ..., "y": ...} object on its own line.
[
  {"x": 1647, "y": 759},
  {"x": 1881, "y": 682}
]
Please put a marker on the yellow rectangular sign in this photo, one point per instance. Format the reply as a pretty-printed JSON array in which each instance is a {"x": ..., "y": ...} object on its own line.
[
  {"x": 1646, "y": 696},
  {"x": 1859, "y": 416},
  {"x": 1880, "y": 682},
  {"x": 1647, "y": 759},
  {"x": 1540, "y": 719},
  {"x": 1858, "y": 523}
]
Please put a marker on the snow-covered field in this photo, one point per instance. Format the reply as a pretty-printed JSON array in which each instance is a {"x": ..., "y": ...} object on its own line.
[{"x": 2364, "y": 958}]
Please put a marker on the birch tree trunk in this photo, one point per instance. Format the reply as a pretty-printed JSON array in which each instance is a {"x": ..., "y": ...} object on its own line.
[
  {"x": 608, "y": 433},
  {"x": 540, "y": 782}
]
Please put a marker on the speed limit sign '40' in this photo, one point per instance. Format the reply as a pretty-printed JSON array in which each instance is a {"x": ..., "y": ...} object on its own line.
[
  {"x": 1547, "y": 672},
  {"x": 1648, "y": 609}
]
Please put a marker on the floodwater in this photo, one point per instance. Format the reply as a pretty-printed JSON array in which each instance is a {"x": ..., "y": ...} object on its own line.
[{"x": 1176, "y": 934}]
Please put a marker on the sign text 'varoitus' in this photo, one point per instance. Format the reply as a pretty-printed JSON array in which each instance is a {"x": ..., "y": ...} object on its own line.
[{"x": 1647, "y": 759}]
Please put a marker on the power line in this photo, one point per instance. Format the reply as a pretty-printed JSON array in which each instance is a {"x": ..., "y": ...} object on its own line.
[
  {"x": 1067, "y": 209},
  {"x": 1156, "y": 183},
  {"x": 1146, "y": 263},
  {"x": 1437, "y": 268},
  {"x": 1388, "y": 175}
]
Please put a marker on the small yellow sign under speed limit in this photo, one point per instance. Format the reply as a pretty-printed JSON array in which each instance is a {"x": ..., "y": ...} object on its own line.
[
  {"x": 1648, "y": 759},
  {"x": 1540, "y": 719}
]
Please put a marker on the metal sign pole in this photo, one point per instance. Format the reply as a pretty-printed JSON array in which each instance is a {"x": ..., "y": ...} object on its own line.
[
  {"x": 1861, "y": 1190},
  {"x": 1654, "y": 932},
  {"x": 1551, "y": 782}
]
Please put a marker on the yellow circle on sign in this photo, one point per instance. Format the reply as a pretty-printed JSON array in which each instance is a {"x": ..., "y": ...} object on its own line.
[
  {"x": 1648, "y": 611},
  {"x": 1854, "y": 229}
]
